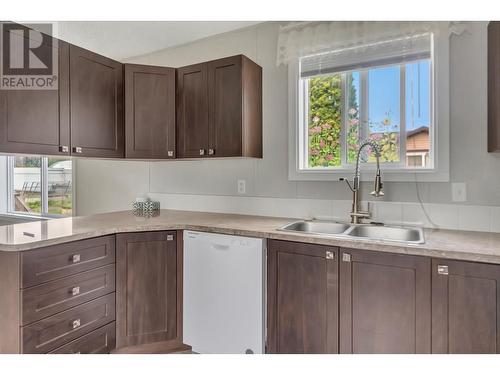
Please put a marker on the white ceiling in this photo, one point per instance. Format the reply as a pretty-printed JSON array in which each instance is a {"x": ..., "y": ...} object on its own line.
[{"x": 123, "y": 39}]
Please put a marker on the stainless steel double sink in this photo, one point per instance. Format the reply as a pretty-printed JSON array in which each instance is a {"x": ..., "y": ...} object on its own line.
[{"x": 365, "y": 231}]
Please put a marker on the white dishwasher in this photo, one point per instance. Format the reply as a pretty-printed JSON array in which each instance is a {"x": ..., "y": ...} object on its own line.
[{"x": 224, "y": 293}]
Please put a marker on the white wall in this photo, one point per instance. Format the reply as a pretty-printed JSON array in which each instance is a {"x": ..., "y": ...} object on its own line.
[{"x": 120, "y": 181}]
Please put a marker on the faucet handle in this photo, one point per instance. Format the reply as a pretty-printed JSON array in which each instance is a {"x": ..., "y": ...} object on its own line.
[{"x": 347, "y": 182}]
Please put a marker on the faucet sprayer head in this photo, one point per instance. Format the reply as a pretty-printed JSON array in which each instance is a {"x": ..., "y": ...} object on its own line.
[{"x": 377, "y": 192}]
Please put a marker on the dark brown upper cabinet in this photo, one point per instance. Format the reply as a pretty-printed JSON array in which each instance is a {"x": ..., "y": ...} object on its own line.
[
  {"x": 96, "y": 105},
  {"x": 148, "y": 289},
  {"x": 385, "y": 303},
  {"x": 219, "y": 109},
  {"x": 192, "y": 111},
  {"x": 149, "y": 112},
  {"x": 494, "y": 86},
  {"x": 302, "y": 298},
  {"x": 37, "y": 121},
  {"x": 465, "y": 307}
]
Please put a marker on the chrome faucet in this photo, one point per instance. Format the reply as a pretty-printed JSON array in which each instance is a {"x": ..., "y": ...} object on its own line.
[{"x": 356, "y": 214}]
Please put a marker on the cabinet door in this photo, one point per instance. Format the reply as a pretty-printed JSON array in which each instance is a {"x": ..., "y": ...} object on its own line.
[
  {"x": 192, "y": 111},
  {"x": 225, "y": 107},
  {"x": 494, "y": 86},
  {"x": 37, "y": 121},
  {"x": 302, "y": 298},
  {"x": 465, "y": 307},
  {"x": 96, "y": 110},
  {"x": 148, "y": 288},
  {"x": 149, "y": 112},
  {"x": 384, "y": 303}
]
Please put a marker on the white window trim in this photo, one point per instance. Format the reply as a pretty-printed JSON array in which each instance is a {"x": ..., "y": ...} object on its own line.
[
  {"x": 10, "y": 209},
  {"x": 439, "y": 132}
]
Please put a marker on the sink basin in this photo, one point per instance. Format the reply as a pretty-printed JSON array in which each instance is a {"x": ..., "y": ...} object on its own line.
[
  {"x": 317, "y": 227},
  {"x": 376, "y": 232}
]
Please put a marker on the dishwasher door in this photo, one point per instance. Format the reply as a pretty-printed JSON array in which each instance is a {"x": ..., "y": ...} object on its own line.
[{"x": 224, "y": 291}]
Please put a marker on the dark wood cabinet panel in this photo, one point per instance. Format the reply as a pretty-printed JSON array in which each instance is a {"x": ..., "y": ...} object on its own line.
[
  {"x": 384, "y": 303},
  {"x": 219, "y": 109},
  {"x": 36, "y": 121},
  {"x": 96, "y": 105},
  {"x": 465, "y": 307},
  {"x": 50, "y": 263},
  {"x": 494, "y": 86},
  {"x": 148, "y": 288},
  {"x": 192, "y": 111},
  {"x": 225, "y": 107},
  {"x": 56, "y": 330},
  {"x": 252, "y": 108},
  {"x": 302, "y": 298},
  {"x": 50, "y": 298},
  {"x": 149, "y": 112},
  {"x": 100, "y": 341}
]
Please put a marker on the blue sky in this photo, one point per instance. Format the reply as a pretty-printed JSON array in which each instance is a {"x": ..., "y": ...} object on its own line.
[{"x": 383, "y": 96}]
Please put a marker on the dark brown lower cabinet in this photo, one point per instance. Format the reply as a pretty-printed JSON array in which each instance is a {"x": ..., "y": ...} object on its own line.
[
  {"x": 465, "y": 307},
  {"x": 302, "y": 298},
  {"x": 325, "y": 300},
  {"x": 148, "y": 288},
  {"x": 385, "y": 303}
]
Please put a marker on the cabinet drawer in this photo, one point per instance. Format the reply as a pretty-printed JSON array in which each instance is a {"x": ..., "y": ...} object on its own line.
[
  {"x": 55, "y": 296},
  {"x": 67, "y": 259},
  {"x": 59, "y": 329},
  {"x": 100, "y": 341}
]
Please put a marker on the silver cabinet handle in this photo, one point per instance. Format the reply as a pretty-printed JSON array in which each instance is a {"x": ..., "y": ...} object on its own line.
[
  {"x": 77, "y": 150},
  {"x": 329, "y": 255},
  {"x": 75, "y": 258},
  {"x": 442, "y": 270},
  {"x": 64, "y": 149},
  {"x": 346, "y": 257},
  {"x": 170, "y": 153},
  {"x": 170, "y": 237},
  {"x": 75, "y": 291},
  {"x": 202, "y": 151},
  {"x": 76, "y": 323},
  {"x": 211, "y": 151}
]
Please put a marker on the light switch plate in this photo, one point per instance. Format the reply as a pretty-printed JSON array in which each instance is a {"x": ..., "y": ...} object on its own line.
[
  {"x": 242, "y": 187},
  {"x": 458, "y": 192}
]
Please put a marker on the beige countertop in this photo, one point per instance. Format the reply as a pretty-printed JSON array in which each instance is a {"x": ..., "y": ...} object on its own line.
[{"x": 472, "y": 246}]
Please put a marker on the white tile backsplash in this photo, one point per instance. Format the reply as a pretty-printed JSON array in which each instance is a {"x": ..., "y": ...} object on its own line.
[
  {"x": 445, "y": 216},
  {"x": 495, "y": 219},
  {"x": 476, "y": 218}
]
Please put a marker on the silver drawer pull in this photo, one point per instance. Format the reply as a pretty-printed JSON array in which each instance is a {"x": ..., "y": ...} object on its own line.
[
  {"x": 75, "y": 291},
  {"x": 346, "y": 257},
  {"x": 75, "y": 258},
  {"x": 77, "y": 150},
  {"x": 170, "y": 153},
  {"x": 202, "y": 151},
  {"x": 64, "y": 149},
  {"x": 211, "y": 151},
  {"x": 442, "y": 270},
  {"x": 76, "y": 323}
]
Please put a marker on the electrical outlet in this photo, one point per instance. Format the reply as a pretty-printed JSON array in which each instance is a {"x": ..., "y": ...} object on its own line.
[
  {"x": 458, "y": 192},
  {"x": 242, "y": 187}
]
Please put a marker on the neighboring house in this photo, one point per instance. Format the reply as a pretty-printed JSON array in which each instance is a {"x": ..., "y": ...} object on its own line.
[{"x": 417, "y": 147}]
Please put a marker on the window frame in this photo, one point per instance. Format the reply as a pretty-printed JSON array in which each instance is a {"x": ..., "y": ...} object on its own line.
[
  {"x": 439, "y": 131},
  {"x": 10, "y": 205}
]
